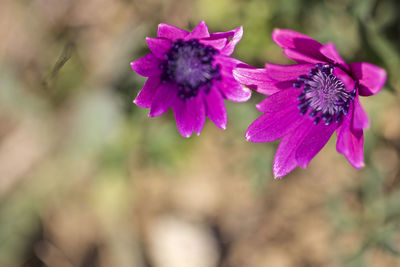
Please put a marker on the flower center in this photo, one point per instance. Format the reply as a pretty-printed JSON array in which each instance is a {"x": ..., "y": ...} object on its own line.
[
  {"x": 190, "y": 65},
  {"x": 323, "y": 94}
]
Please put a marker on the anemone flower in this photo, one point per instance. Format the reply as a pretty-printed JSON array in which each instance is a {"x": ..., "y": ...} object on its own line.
[
  {"x": 310, "y": 100},
  {"x": 192, "y": 72}
]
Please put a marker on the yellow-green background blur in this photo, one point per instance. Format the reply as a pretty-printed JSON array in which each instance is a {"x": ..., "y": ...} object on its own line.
[{"x": 87, "y": 179}]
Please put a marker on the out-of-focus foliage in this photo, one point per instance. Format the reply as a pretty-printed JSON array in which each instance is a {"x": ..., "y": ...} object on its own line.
[{"x": 87, "y": 179}]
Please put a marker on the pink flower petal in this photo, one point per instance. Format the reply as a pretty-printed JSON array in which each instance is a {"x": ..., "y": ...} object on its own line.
[
  {"x": 147, "y": 66},
  {"x": 200, "y": 31},
  {"x": 183, "y": 121},
  {"x": 350, "y": 142},
  {"x": 215, "y": 108},
  {"x": 285, "y": 157},
  {"x": 198, "y": 112},
  {"x": 371, "y": 77},
  {"x": 233, "y": 38},
  {"x": 272, "y": 126},
  {"x": 287, "y": 72},
  {"x": 170, "y": 32},
  {"x": 360, "y": 117},
  {"x": 300, "y": 46},
  {"x": 315, "y": 140},
  {"x": 348, "y": 82},
  {"x": 231, "y": 89},
  {"x": 146, "y": 95},
  {"x": 256, "y": 79},
  {"x": 189, "y": 115},
  {"x": 329, "y": 51},
  {"x": 217, "y": 43},
  {"x": 228, "y": 63},
  {"x": 159, "y": 46},
  {"x": 281, "y": 100},
  {"x": 291, "y": 39},
  {"x": 165, "y": 95},
  {"x": 301, "y": 57}
]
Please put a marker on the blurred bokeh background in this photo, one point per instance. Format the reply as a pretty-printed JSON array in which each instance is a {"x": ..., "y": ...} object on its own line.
[{"x": 87, "y": 179}]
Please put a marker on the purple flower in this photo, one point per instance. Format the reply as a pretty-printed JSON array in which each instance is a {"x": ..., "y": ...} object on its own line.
[
  {"x": 192, "y": 72},
  {"x": 310, "y": 100}
]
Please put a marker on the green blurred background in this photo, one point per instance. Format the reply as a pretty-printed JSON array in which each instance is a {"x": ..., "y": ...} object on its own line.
[{"x": 87, "y": 179}]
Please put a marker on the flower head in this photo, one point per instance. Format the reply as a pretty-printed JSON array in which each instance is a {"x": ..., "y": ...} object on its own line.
[
  {"x": 311, "y": 100},
  {"x": 192, "y": 72}
]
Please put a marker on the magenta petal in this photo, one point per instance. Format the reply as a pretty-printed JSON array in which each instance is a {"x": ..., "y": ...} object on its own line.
[
  {"x": 256, "y": 79},
  {"x": 315, "y": 140},
  {"x": 350, "y": 143},
  {"x": 183, "y": 121},
  {"x": 272, "y": 126},
  {"x": 371, "y": 77},
  {"x": 200, "y": 117},
  {"x": 287, "y": 72},
  {"x": 159, "y": 46},
  {"x": 348, "y": 82},
  {"x": 360, "y": 117},
  {"x": 303, "y": 47},
  {"x": 217, "y": 43},
  {"x": 235, "y": 36},
  {"x": 163, "y": 99},
  {"x": 281, "y": 100},
  {"x": 329, "y": 50},
  {"x": 300, "y": 57},
  {"x": 197, "y": 111},
  {"x": 200, "y": 31},
  {"x": 189, "y": 115},
  {"x": 147, "y": 66},
  {"x": 170, "y": 32},
  {"x": 230, "y": 88},
  {"x": 291, "y": 39},
  {"x": 228, "y": 63},
  {"x": 146, "y": 95},
  {"x": 285, "y": 157},
  {"x": 215, "y": 108}
]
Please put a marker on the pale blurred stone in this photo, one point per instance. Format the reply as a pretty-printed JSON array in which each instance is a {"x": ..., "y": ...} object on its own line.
[{"x": 178, "y": 243}]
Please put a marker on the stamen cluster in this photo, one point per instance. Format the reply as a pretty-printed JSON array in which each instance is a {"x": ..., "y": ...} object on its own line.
[
  {"x": 190, "y": 65},
  {"x": 323, "y": 94}
]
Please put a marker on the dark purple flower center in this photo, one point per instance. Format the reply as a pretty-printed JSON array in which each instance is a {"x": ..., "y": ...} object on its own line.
[
  {"x": 190, "y": 65},
  {"x": 323, "y": 94}
]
